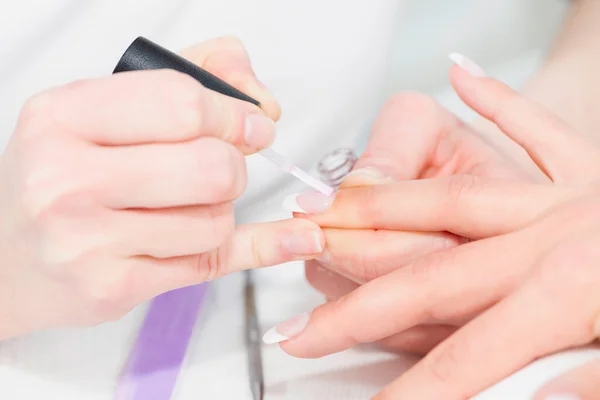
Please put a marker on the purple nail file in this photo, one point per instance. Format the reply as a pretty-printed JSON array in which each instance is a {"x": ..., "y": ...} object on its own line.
[{"x": 155, "y": 360}]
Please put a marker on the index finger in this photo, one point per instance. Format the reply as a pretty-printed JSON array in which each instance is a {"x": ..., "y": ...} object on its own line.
[
  {"x": 145, "y": 107},
  {"x": 563, "y": 154},
  {"x": 466, "y": 205}
]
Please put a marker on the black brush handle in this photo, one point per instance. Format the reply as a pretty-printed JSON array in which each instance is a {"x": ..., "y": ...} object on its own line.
[{"x": 144, "y": 54}]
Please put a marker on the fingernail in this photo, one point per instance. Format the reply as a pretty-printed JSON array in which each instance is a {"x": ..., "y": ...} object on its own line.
[
  {"x": 308, "y": 203},
  {"x": 259, "y": 131},
  {"x": 287, "y": 330},
  {"x": 562, "y": 396},
  {"x": 303, "y": 243},
  {"x": 367, "y": 172},
  {"x": 468, "y": 65}
]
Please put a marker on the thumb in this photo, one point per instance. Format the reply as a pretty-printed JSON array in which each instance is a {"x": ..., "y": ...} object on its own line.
[
  {"x": 582, "y": 383},
  {"x": 404, "y": 137},
  {"x": 227, "y": 58}
]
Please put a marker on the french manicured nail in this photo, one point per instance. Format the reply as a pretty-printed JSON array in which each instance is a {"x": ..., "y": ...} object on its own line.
[
  {"x": 367, "y": 172},
  {"x": 562, "y": 396},
  {"x": 287, "y": 330},
  {"x": 308, "y": 203},
  {"x": 259, "y": 131},
  {"x": 468, "y": 65},
  {"x": 303, "y": 243}
]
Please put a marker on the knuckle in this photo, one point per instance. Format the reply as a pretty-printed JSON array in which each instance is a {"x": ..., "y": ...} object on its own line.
[
  {"x": 428, "y": 269},
  {"x": 36, "y": 113},
  {"x": 369, "y": 211},
  {"x": 426, "y": 273},
  {"x": 191, "y": 105},
  {"x": 221, "y": 223},
  {"x": 108, "y": 299},
  {"x": 212, "y": 265},
  {"x": 460, "y": 187},
  {"x": 361, "y": 266},
  {"x": 441, "y": 363},
  {"x": 228, "y": 176}
]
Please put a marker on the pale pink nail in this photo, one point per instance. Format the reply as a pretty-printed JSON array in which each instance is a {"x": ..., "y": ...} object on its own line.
[
  {"x": 308, "y": 203},
  {"x": 303, "y": 243},
  {"x": 259, "y": 131},
  {"x": 287, "y": 330},
  {"x": 468, "y": 65}
]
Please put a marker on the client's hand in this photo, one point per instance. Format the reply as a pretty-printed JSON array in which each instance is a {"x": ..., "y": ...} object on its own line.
[
  {"x": 114, "y": 190},
  {"x": 413, "y": 138},
  {"x": 528, "y": 286}
]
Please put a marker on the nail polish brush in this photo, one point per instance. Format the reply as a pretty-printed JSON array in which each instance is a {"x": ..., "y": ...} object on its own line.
[{"x": 144, "y": 54}]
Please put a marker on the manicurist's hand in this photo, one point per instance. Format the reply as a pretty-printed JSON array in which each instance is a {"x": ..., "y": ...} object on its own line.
[
  {"x": 527, "y": 287},
  {"x": 117, "y": 189}
]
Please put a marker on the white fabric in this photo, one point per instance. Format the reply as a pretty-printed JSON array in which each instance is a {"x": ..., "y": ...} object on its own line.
[{"x": 327, "y": 62}]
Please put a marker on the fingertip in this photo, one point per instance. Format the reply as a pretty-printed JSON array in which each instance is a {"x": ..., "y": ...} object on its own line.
[
  {"x": 268, "y": 103},
  {"x": 259, "y": 131}
]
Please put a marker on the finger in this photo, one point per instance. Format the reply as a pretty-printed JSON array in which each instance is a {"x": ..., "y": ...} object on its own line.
[
  {"x": 552, "y": 311},
  {"x": 582, "y": 383},
  {"x": 365, "y": 254},
  {"x": 227, "y": 58},
  {"x": 202, "y": 171},
  {"x": 563, "y": 154},
  {"x": 415, "y": 137},
  {"x": 249, "y": 247},
  {"x": 144, "y": 107},
  {"x": 172, "y": 232},
  {"x": 465, "y": 205},
  {"x": 440, "y": 287},
  {"x": 418, "y": 340},
  {"x": 327, "y": 282}
]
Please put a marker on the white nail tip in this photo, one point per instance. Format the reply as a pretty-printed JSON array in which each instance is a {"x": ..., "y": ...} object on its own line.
[
  {"x": 272, "y": 337},
  {"x": 467, "y": 64},
  {"x": 290, "y": 203},
  {"x": 457, "y": 58}
]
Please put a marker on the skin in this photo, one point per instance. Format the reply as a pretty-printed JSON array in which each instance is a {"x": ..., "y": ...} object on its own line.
[
  {"x": 93, "y": 225},
  {"x": 416, "y": 138},
  {"x": 526, "y": 286}
]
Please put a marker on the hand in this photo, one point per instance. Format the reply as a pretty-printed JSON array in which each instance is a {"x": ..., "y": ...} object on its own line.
[
  {"x": 531, "y": 280},
  {"x": 117, "y": 189},
  {"x": 413, "y": 138}
]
